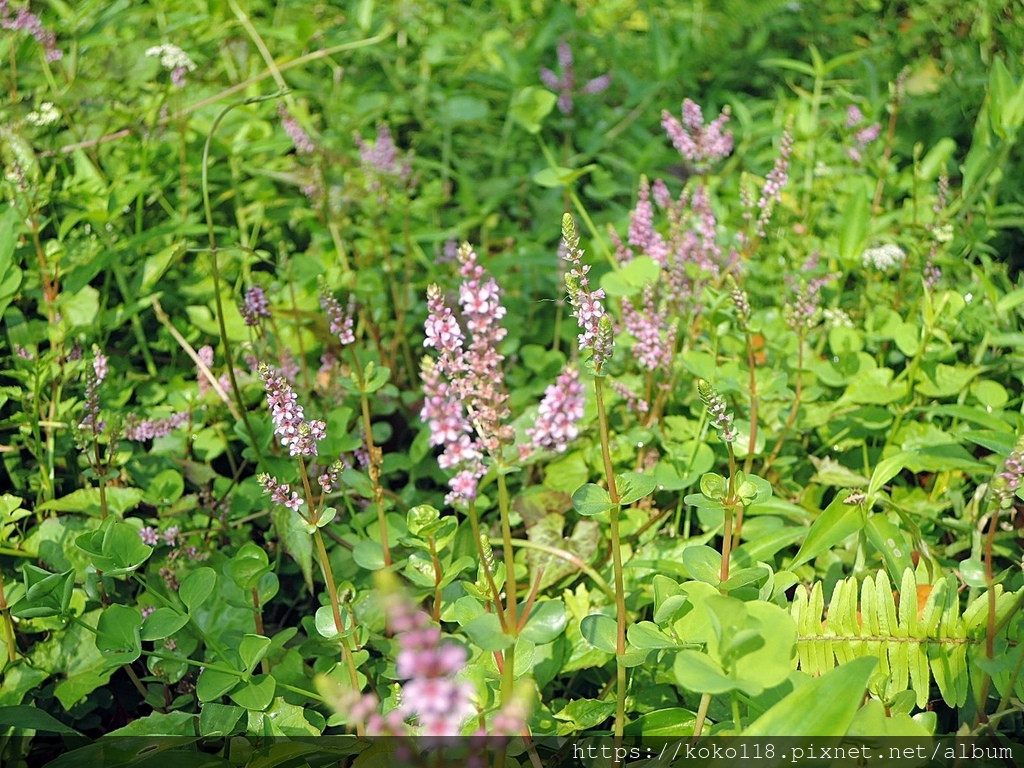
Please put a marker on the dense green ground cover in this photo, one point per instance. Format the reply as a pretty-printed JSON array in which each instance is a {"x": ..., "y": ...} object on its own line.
[{"x": 522, "y": 369}]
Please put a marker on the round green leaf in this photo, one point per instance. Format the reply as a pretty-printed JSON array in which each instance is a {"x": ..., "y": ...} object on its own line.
[{"x": 600, "y": 631}]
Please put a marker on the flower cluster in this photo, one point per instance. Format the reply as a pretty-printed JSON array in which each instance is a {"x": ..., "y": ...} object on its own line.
[
  {"x": 803, "y": 310},
  {"x": 173, "y": 59},
  {"x": 884, "y": 257},
  {"x": 595, "y": 326},
  {"x": 94, "y": 378},
  {"x": 634, "y": 403},
  {"x": 464, "y": 386},
  {"x": 940, "y": 234},
  {"x": 280, "y": 493},
  {"x": 290, "y": 425},
  {"x": 559, "y": 411},
  {"x": 381, "y": 161},
  {"x": 863, "y": 134},
  {"x": 651, "y": 327},
  {"x": 701, "y": 145},
  {"x": 432, "y": 692},
  {"x": 139, "y": 430},
  {"x": 26, "y": 21},
  {"x": 205, "y": 354},
  {"x": 303, "y": 144},
  {"x": 721, "y": 418},
  {"x": 45, "y": 114},
  {"x": 740, "y": 301},
  {"x": 565, "y": 84},
  {"x": 342, "y": 320},
  {"x": 152, "y": 536},
  {"x": 256, "y": 307},
  {"x": 1008, "y": 481},
  {"x": 328, "y": 479},
  {"x": 837, "y": 318},
  {"x": 774, "y": 182}
]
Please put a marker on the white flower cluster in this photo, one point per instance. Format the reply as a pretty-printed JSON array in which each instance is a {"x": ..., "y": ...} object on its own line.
[
  {"x": 883, "y": 258},
  {"x": 837, "y": 318},
  {"x": 47, "y": 114},
  {"x": 171, "y": 57}
]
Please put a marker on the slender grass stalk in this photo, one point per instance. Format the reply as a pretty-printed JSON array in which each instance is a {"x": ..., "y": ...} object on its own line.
[{"x": 208, "y": 209}]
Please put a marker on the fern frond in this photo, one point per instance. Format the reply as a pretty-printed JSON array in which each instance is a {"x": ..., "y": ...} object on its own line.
[{"x": 913, "y": 642}]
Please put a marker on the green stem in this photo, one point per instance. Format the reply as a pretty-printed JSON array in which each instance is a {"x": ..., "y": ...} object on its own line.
[
  {"x": 511, "y": 590},
  {"x": 208, "y": 209},
  {"x": 616, "y": 544},
  {"x": 375, "y": 458},
  {"x": 332, "y": 591},
  {"x": 702, "y": 714}
]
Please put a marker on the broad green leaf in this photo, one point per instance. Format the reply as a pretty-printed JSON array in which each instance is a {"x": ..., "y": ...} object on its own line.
[
  {"x": 161, "y": 623},
  {"x": 698, "y": 672},
  {"x": 293, "y": 535},
  {"x": 891, "y": 545},
  {"x": 672, "y": 722},
  {"x": 584, "y": 714},
  {"x": 87, "y": 500},
  {"x": 600, "y": 631},
  {"x": 324, "y": 622},
  {"x": 486, "y": 633},
  {"x": 252, "y": 649},
  {"x": 630, "y": 279},
  {"x": 530, "y": 106},
  {"x": 156, "y": 724},
  {"x": 886, "y": 470},
  {"x": 256, "y": 694},
  {"x": 633, "y": 486},
  {"x": 837, "y": 522},
  {"x": 546, "y": 622},
  {"x": 197, "y": 587},
  {"x": 591, "y": 499},
  {"x": 873, "y": 387},
  {"x": 646, "y": 634},
  {"x": 368, "y": 555},
  {"x": 703, "y": 564},
  {"x": 214, "y": 683},
  {"x": 166, "y": 488},
  {"x": 118, "y": 634},
  {"x": 35, "y": 719},
  {"x": 825, "y": 706},
  {"x": 219, "y": 719}
]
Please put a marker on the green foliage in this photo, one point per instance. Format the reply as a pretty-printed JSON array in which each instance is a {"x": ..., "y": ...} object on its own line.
[
  {"x": 918, "y": 633},
  {"x": 815, "y": 390}
]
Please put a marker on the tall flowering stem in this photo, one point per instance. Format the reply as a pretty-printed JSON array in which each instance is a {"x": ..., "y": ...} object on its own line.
[
  {"x": 300, "y": 436},
  {"x": 466, "y": 406},
  {"x": 597, "y": 336},
  {"x": 721, "y": 419}
]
